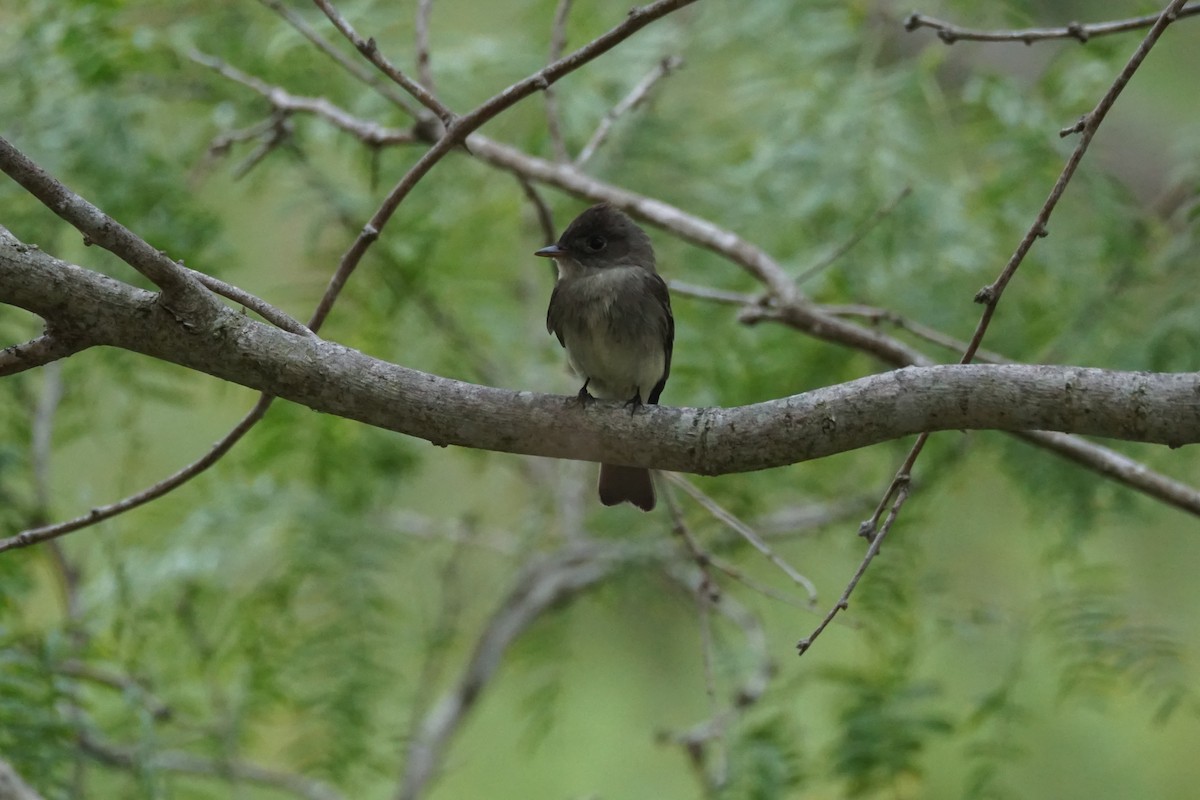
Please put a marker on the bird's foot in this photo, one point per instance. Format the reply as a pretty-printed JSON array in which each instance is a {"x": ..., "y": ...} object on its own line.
[
  {"x": 584, "y": 396},
  {"x": 634, "y": 403}
]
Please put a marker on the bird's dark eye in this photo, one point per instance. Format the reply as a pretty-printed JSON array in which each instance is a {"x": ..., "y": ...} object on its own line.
[{"x": 595, "y": 243}]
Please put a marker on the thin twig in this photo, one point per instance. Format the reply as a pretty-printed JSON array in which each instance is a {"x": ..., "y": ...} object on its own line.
[
  {"x": 558, "y": 43},
  {"x": 458, "y": 129},
  {"x": 787, "y": 305},
  {"x": 124, "y": 684},
  {"x": 742, "y": 529},
  {"x": 923, "y": 332},
  {"x": 749, "y": 690},
  {"x": 637, "y": 95},
  {"x": 168, "y": 484},
  {"x": 276, "y": 136},
  {"x": 424, "y": 68},
  {"x": 181, "y": 294},
  {"x": 223, "y": 143},
  {"x": 704, "y": 559},
  {"x": 276, "y": 316},
  {"x": 879, "y": 216},
  {"x": 701, "y": 557},
  {"x": 366, "y": 131},
  {"x": 990, "y": 295},
  {"x": 355, "y": 68},
  {"x": 221, "y": 769},
  {"x": 950, "y": 33},
  {"x": 901, "y": 496},
  {"x": 716, "y": 295},
  {"x": 544, "y": 218},
  {"x": 370, "y": 50}
]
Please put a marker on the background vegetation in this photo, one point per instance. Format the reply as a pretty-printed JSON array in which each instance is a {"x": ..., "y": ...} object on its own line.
[{"x": 1026, "y": 632}]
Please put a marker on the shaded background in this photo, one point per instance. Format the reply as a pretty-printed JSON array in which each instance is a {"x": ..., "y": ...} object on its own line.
[{"x": 1028, "y": 629}]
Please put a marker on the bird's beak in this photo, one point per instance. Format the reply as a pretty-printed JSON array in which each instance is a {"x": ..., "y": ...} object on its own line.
[{"x": 553, "y": 251}]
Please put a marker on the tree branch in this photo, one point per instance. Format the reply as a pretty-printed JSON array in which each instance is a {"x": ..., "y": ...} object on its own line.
[
  {"x": 181, "y": 294},
  {"x": 782, "y": 302},
  {"x": 1147, "y": 407},
  {"x": 165, "y": 486},
  {"x": 12, "y": 787},
  {"x": 898, "y": 492},
  {"x": 370, "y": 50},
  {"x": 558, "y": 42},
  {"x": 459, "y": 128},
  {"x": 544, "y": 584},
  {"x": 950, "y": 33},
  {"x": 424, "y": 69},
  {"x": 38, "y": 352},
  {"x": 637, "y": 95},
  {"x": 355, "y": 68},
  {"x": 223, "y": 769}
]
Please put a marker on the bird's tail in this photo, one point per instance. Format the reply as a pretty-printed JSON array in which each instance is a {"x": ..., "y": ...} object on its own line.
[{"x": 626, "y": 484}]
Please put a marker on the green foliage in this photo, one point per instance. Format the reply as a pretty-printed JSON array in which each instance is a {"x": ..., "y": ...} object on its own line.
[
  {"x": 886, "y": 723},
  {"x": 764, "y": 760},
  {"x": 34, "y": 732},
  {"x": 307, "y": 600},
  {"x": 1103, "y": 648}
]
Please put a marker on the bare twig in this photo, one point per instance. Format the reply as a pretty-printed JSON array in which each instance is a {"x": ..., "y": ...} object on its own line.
[
  {"x": 701, "y": 557},
  {"x": 458, "y": 129},
  {"x": 181, "y": 295},
  {"x": 370, "y": 50},
  {"x": 637, "y": 95},
  {"x": 900, "y": 497},
  {"x": 880, "y": 215},
  {"x": 223, "y": 143},
  {"x": 355, "y": 68},
  {"x": 168, "y": 484},
  {"x": 743, "y": 530},
  {"x": 276, "y": 137},
  {"x": 544, "y": 218},
  {"x": 558, "y": 43},
  {"x": 922, "y": 332},
  {"x": 704, "y": 559},
  {"x": 369, "y": 133},
  {"x": 124, "y": 684},
  {"x": 424, "y": 68},
  {"x": 220, "y": 769},
  {"x": 270, "y": 133},
  {"x": 750, "y": 689},
  {"x": 45, "y": 349},
  {"x": 276, "y": 316},
  {"x": 990, "y": 295},
  {"x": 950, "y": 33},
  {"x": 715, "y": 295}
]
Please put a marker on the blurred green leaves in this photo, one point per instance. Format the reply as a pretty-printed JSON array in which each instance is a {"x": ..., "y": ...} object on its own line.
[{"x": 304, "y": 600}]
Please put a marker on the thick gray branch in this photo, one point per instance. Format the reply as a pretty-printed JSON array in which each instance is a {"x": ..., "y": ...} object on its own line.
[
  {"x": 181, "y": 293},
  {"x": 1146, "y": 407}
]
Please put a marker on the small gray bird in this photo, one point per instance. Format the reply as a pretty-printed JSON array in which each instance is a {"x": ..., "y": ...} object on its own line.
[{"x": 611, "y": 311}]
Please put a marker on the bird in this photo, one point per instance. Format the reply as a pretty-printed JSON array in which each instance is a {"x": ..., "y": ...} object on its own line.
[{"x": 611, "y": 311}]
